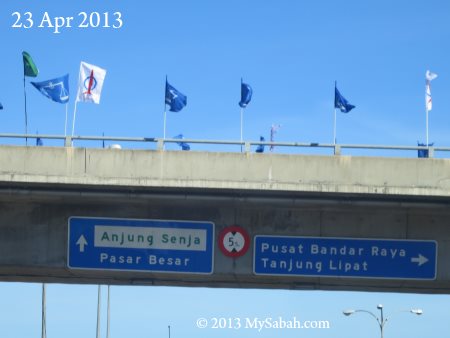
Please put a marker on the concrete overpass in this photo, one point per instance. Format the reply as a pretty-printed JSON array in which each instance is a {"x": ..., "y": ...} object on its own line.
[{"x": 266, "y": 194}]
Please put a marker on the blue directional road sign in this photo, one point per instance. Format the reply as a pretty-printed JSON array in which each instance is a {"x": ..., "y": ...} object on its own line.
[
  {"x": 140, "y": 245},
  {"x": 345, "y": 257}
]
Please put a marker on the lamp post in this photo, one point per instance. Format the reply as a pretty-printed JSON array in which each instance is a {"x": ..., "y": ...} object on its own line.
[{"x": 381, "y": 320}]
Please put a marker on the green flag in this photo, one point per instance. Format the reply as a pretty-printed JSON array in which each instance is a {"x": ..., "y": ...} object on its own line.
[{"x": 29, "y": 67}]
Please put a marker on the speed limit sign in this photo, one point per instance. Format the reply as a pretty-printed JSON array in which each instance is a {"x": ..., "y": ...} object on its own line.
[{"x": 234, "y": 241}]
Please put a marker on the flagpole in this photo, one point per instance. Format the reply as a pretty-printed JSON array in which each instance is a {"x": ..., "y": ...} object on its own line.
[
  {"x": 164, "y": 133},
  {"x": 107, "y": 317},
  {"x": 334, "y": 125},
  {"x": 272, "y": 136},
  {"x": 98, "y": 311},
  {"x": 44, "y": 324},
  {"x": 427, "y": 89},
  {"x": 273, "y": 130},
  {"x": 165, "y": 118},
  {"x": 74, "y": 117},
  {"x": 242, "y": 121},
  {"x": 165, "y": 112},
  {"x": 65, "y": 125},
  {"x": 334, "y": 132},
  {"x": 26, "y": 115},
  {"x": 427, "y": 126},
  {"x": 242, "y": 118}
]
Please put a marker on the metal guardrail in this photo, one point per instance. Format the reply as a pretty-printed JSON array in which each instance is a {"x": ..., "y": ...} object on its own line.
[{"x": 160, "y": 142}]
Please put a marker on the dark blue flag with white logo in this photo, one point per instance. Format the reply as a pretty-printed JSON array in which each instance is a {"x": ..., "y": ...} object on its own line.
[
  {"x": 175, "y": 99},
  {"x": 341, "y": 103},
  {"x": 246, "y": 94},
  {"x": 56, "y": 89}
]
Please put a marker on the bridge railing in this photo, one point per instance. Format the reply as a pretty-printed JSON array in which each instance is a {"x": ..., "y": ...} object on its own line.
[{"x": 246, "y": 146}]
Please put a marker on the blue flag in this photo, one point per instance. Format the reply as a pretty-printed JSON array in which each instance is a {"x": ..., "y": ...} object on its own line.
[
  {"x": 246, "y": 94},
  {"x": 423, "y": 153},
  {"x": 56, "y": 89},
  {"x": 183, "y": 145},
  {"x": 1, "y": 106},
  {"x": 39, "y": 142},
  {"x": 340, "y": 102},
  {"x": 174, "y": 98},
  {"x": 260, "y": 148}
]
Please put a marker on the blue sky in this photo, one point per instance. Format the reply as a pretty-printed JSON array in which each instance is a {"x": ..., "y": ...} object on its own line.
[
  {"x": 143, "y": 311},
  {"x": 290, "y": 52}
]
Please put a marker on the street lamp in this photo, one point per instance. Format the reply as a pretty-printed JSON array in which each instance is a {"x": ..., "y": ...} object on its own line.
[{"x": 380, "y": 320}]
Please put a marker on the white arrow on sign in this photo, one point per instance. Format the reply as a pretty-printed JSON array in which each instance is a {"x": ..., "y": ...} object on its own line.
[
  {"x": 82, "y": 243},
  {"x": 421, "y": 260}
]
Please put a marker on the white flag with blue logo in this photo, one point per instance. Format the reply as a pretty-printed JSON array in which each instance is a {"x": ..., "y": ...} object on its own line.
[{"x": 90, "y": 83}]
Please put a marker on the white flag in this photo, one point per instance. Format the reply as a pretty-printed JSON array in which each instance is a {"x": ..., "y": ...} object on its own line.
[
  {"x": 90, "y": 83},
  {"x": 429, "y": 76}
]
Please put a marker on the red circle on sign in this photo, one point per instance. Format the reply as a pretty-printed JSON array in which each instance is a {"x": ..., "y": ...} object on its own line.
[{"x": 234, "y": 241}]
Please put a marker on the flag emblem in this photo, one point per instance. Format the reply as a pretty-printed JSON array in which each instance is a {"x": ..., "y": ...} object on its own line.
[
  {"x": 56, "y": 90},
  {"x": 174, "y": 98},
  {"x": 429, "y": 76},
  {"x": 341, "y": 103},
  {"x": 90, "y": 83}
]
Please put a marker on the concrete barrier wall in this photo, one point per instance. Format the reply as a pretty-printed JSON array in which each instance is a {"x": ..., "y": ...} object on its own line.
[{"x": 268, "y": 172}]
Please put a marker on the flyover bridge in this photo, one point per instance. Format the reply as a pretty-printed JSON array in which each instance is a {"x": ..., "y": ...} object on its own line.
[{"x": 387, "y": 219}]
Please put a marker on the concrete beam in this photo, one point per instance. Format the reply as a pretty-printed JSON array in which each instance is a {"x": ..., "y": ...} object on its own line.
[{"x": 267, "y": 194}]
